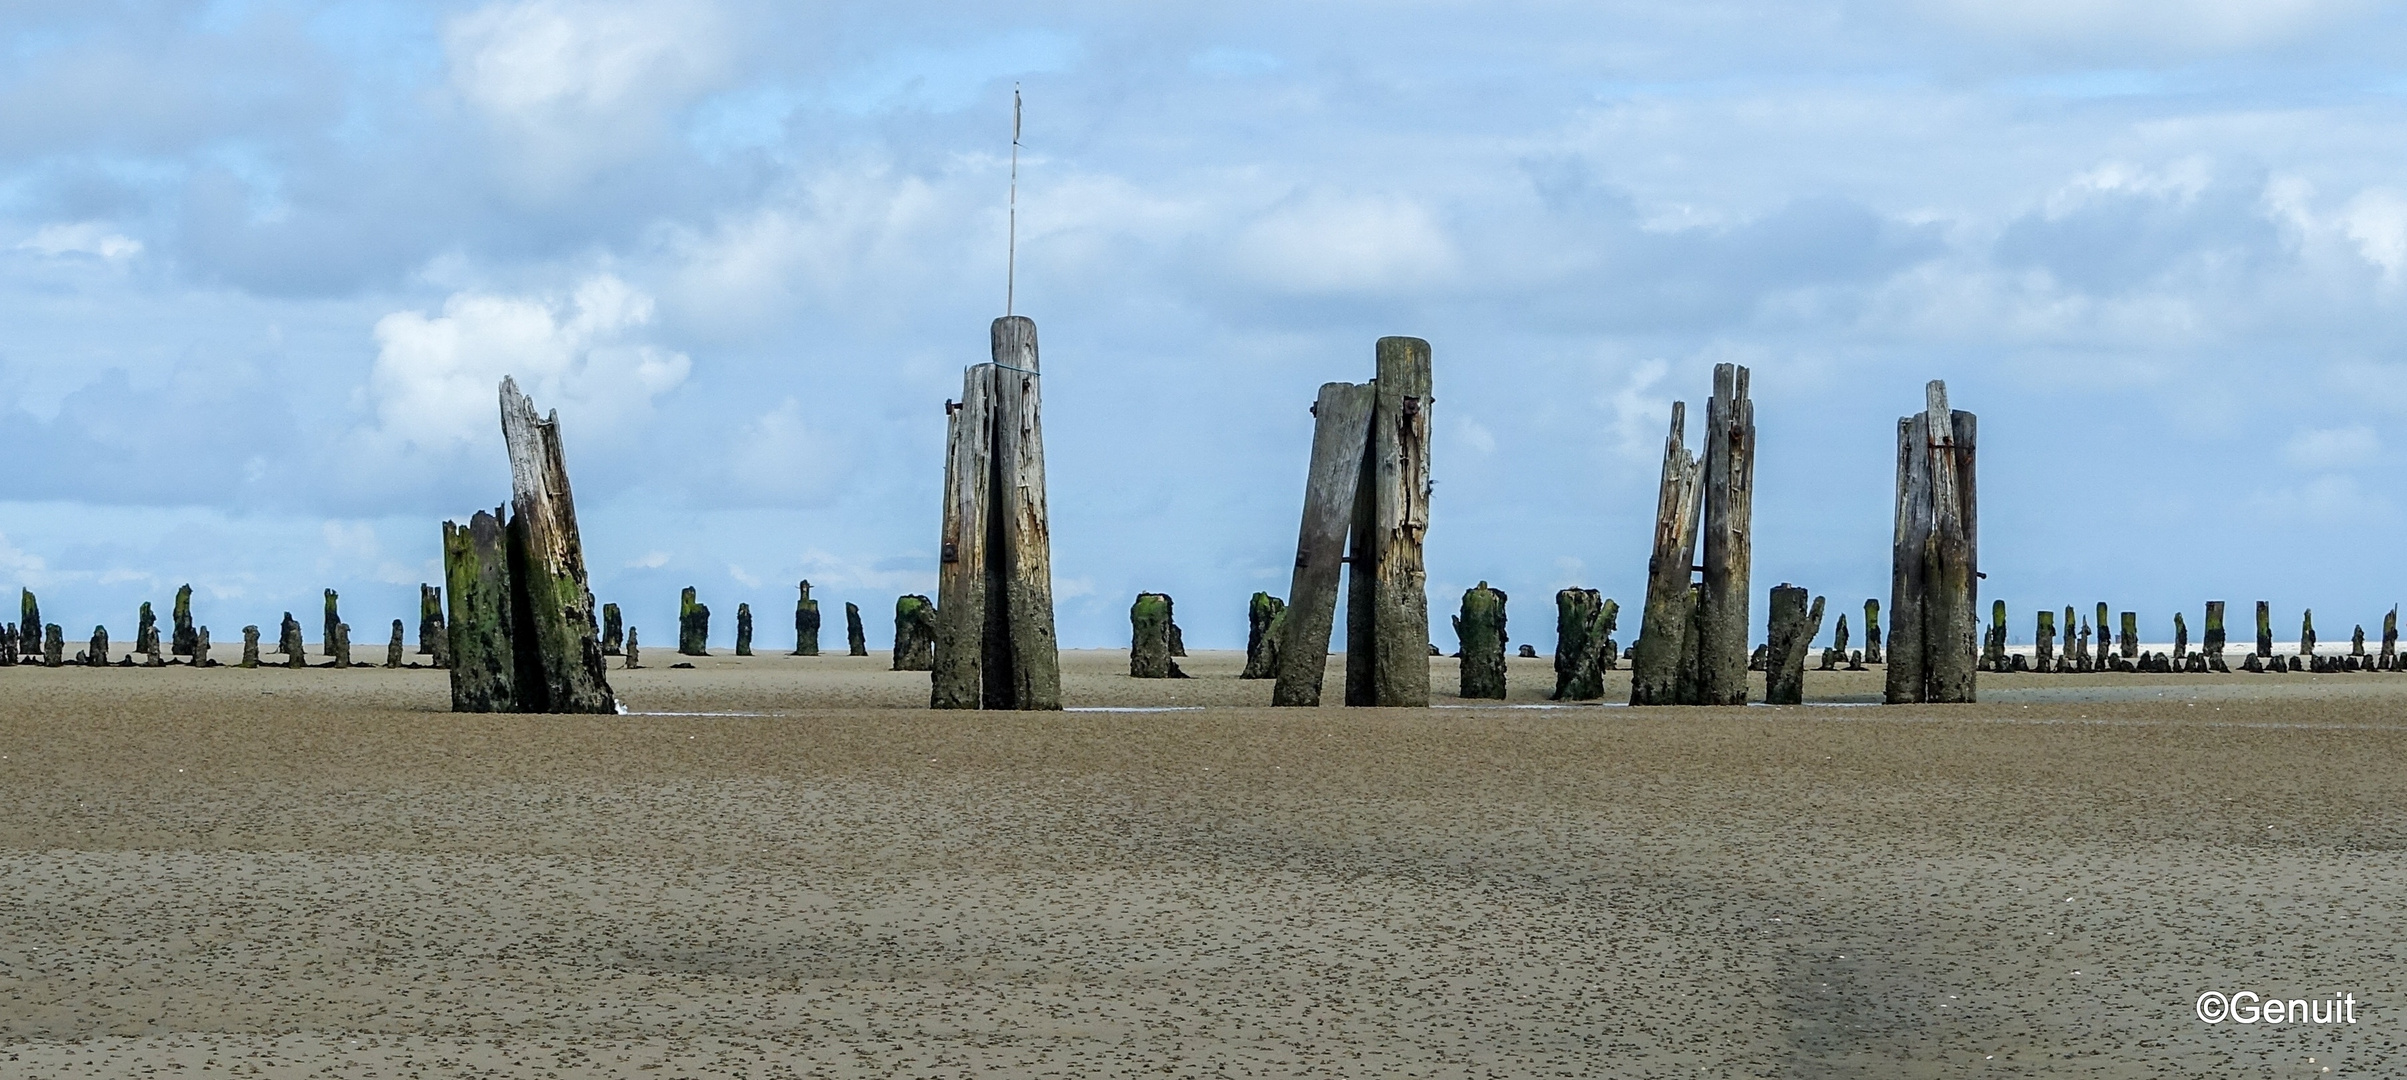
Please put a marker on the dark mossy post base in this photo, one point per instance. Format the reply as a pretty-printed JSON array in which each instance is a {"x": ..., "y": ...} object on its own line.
[
  {"x": 693, "y": 625},
  {"x": 1872, "y": 635},
  {"x": 525, "y": 634},
  {"x": 994, "y": 644},
  {"x": 806, "y": 623},
  {"x": 2043, "y": 641},
  {"x": 1480, "y": 630},
  {"x": 2306, "y": 632},
  {"x": 914, "y": 634},
  {"x": 393, "y": 650},
  {"x": 1265, "y": 619},
  {"x": 146, "y": 630},
  {"x": 1149, "y": 638},
  {"x": 2181, "y": 635},
  {"x": 1340, "y": 434},
  {"x": 338, "y": 651},
  {"x": 288, "y": 642},
  {"x": 2356, "y": 642},
  {"x": 856, "y": 642},
  {"x": 1584, "y": 625},
  {"x": 743, "y": 629},
  {"x": 2129, "y": 639},
  {"x": 1994, "y": 655},
  {"x": 2212, "y": 646},
  {"x": 1935, "y": 556},
  {"x": 187, "y": 636},
  {"x": 2264, "y": 628},
  {"x": 614, "y": 633},
  {"x": 333, "y": 619},
  {"x": 1791, "y": 634},
  {"x": 96, "y": 651}
]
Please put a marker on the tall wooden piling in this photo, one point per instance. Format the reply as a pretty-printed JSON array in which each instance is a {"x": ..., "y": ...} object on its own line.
[
  {"x": 186, "y": 635},
  {"x": 1480, "y": 629},
  {"x": 2130, "y": 643},
  {"x": 2181, "y": 636},
  {"x": 855, "y": 641},
  {"x": 957, "y": 680},
  {"x": 2214, "y": 642},
  {"x": 2264, "y": 628},
  {"x": 1663, "y": 624},
  {"x": 914, "y": 633},
  {"x": 547, "y": 572},
  {"x": 1727, "y": 535},
  {"x": 693, "y": 625},
  {"x": 743, "y": 629},
  {"x": 1332, "y": 480},
  {"x": 1790, "y": 634},
  {"x": 1584, "y": 625},
  {"x": 614, "y": 631},
  {"x": 806, "y": 622},
  {"x": 29, "y": 623},
  {"x": 1149, "y": 638},
  {"x": 1934, "y": 557},
  {"x": 1021, "y": 659},
  {"x": 1387, "y": 602},
  {"x": 1872, "y": 635},
  {"x": 2390, "y": 639},
  {"x": 2043, "y": 637},
  {"x": 476, "y": 571},
  {"x": 1265, "y": 622}
]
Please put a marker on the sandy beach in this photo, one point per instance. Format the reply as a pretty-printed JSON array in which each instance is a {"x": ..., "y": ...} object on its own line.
[{"x": 781, "y": 866}]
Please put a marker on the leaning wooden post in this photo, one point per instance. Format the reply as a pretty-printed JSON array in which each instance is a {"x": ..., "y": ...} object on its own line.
[
  {"x": 743, "y": 629},
  {"x": 614, "y": 633},
  {"x": 476, "y": 571},
  {"x": 1265, "y": 620},
  {"x": 957, "y": 680},
  {"x": 1727, "y": 535},
  {"x": 1332, "y": 480},
  {"x": 693, "y": 625},
  {"x": 1791, "y": 633},
  {"x": 186, "y": 635},
  {"x": 1149, "y": 638},
  {"x": 1663, "y": 625},
  {"x": 914, "y": 633},
  {"x": 2264, "y": 628},
  {"x": 2043, "y": 637},
  {"x": 806, "y": 623},
  {"x": 1022, "y": 664},
  {"x": 547, "y": 572},
  {"x": 1387, "y": 605},
  {"x": 856, "y": 642},
  {"x": 1481, "y": 631}
]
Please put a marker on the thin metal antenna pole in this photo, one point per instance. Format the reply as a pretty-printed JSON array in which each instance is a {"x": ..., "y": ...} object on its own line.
[{"x": 1011, "y": 257}]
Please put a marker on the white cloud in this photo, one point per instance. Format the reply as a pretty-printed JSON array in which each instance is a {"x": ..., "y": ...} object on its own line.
[
  {"x": 652, "y": 560},
  {"x": 780, "y": 456},
  {"x": 81, "y": 238},
  {"x": 435, "y": 379},
  {"x": 2377, "y": 221},
  {"x": 2332, "y": 448},
  {"x": 575, "y": 87},
  {"x": 1329, "y": 243},
  {"x": 2187, "y": 25}
]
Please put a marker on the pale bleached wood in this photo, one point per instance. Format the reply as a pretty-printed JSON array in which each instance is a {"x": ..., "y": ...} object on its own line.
[
  {"x": 1663, "y": 625},
  {"x": 1340, "y": 432},
  {"x": 1951, "y": 651},
  {"x": 1726, "y": 534},
  {"x": 1030, "y": 675},
  {"x": 1387, "y": 639},
  {"x": 561, "y": 635},
  {"x": 1905, "y": 674},
  {"x": 955, "y": 682}
]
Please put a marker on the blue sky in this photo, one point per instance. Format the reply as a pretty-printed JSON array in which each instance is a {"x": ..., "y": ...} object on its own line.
[{"x": 262, "y": 265}]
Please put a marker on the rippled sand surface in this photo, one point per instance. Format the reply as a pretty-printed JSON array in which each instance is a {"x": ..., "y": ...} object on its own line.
[{"x": 320, "y": 873}]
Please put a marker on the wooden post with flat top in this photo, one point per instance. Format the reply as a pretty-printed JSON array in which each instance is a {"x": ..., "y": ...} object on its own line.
[{"x": 1340, "y": 433}]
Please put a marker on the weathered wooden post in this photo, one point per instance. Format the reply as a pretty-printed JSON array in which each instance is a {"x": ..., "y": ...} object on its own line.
[
  {"x": 54, "y": 645},
  {"x": 2306, "y": 633},
  {"x": 1934, "y": 560},
  {"x": 2264, "y": 628},
  {"x": 1149, "y": 638},
  {"x": 2390, "y": 639},
  {"x": 185, "y": 634},
  {"x": 433, "y": 640},
  {"x": 2043, "y": 637},
  {"x": 150, "y": 656},
  {"x": 743, "y": 629},
  {"x": 614, "y": 632},
  {"x": 1663, "y": 625},
  {"x": 200, "y": 647},
  {"x": 250, "y": 646},
  {"x": 914, "y": 634},
  {"x": 393, "y": 650},
  {"x": 806, "y": 622},
  {"x": 1265, "y": 620},
  {"x": 29, "y": 624},
  {"x": 1387, "y": 603},
  {"x": 146, "y": 630},
  {"x": 2213, "y": 645},
  {"x": 633, "y": 660},
  {"x": 476, "y": 570},
  {"x": 856, "y": 642},
  {"x": 1727, "y": 535},
  {"x": 1872, "y": 635},
  {"x": 1341, "y": 433},
  {"x": 2356, "y": 643},
  {"x": 1837, "y": 653},
  {"x": 339, "y": 650},
  {"x": 560, "y": 642},
  {"x": 957, "y": 680},
  {"x": 333, "y": 619},
  {"x": 8, "y": 645},
  {"x": 2130, "y": 642},
  {"x": 1020, "y": 662},
  {"x": 1584, "y": 624},
  {"x": 2181, "y": 636},
  {"x": 693, "y": 625},
  {"x": 1995, "y": 654},
  {"x": 96, "y": 653},
  {"x": 1791, "y": 632},
  {"x": 1480, "y": 629},
  {"x": 288, "y": 642}
]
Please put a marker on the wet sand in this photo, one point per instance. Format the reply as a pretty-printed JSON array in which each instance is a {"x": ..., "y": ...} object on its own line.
[{"x": 321, "y": 873}]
